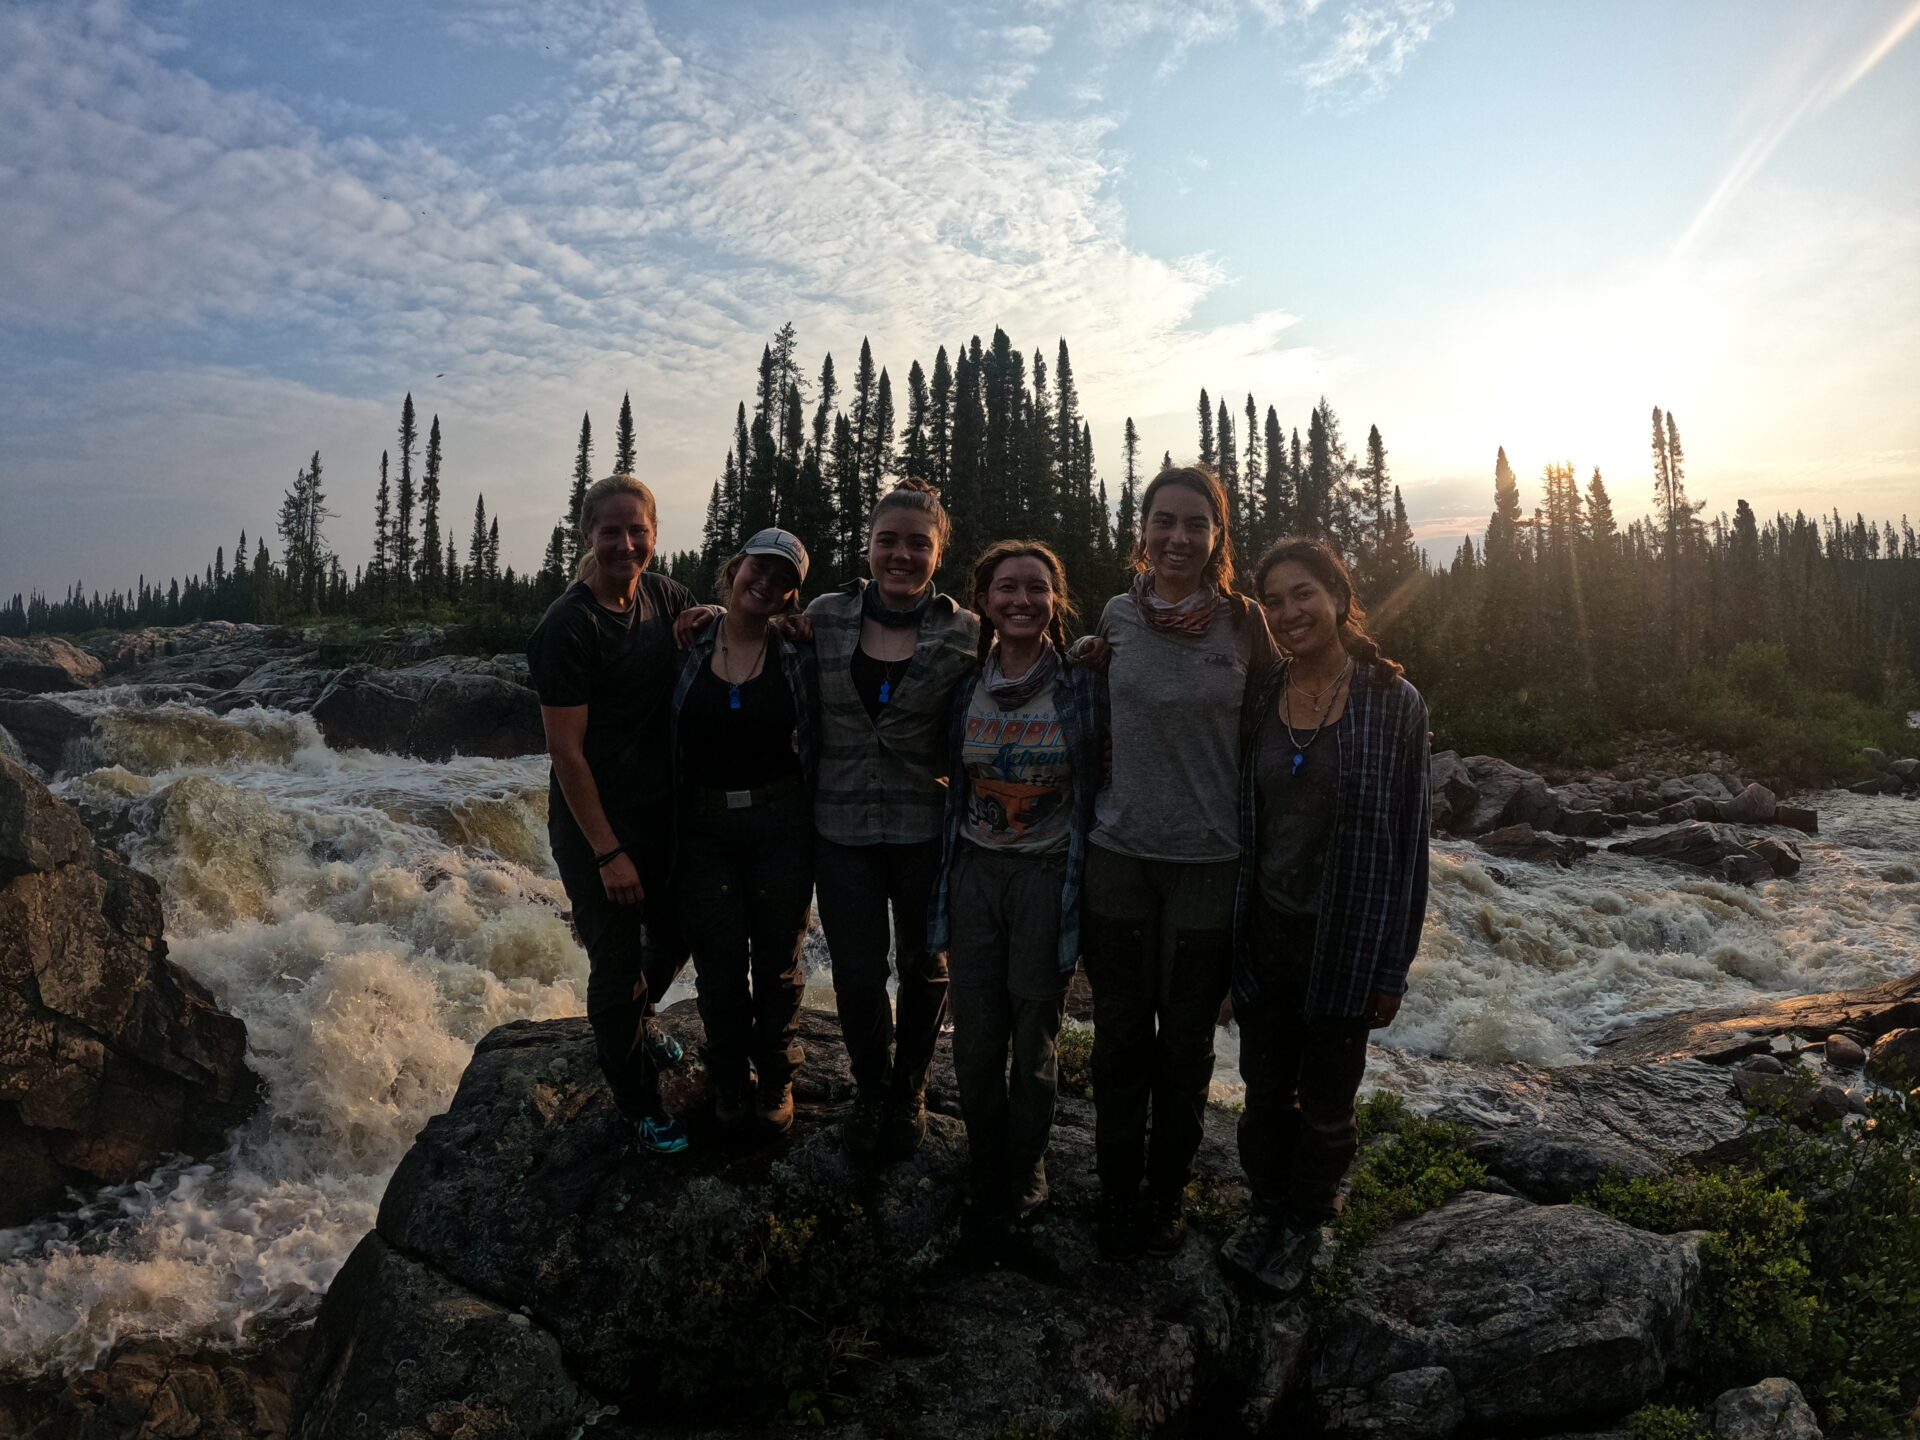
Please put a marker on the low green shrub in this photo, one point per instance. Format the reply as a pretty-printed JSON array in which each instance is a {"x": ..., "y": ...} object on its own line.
[
  {"x": 1812, "y": 1269},
  {"x": 1408, "y": 1165},
  {"x": 1668, "y": 1422}
]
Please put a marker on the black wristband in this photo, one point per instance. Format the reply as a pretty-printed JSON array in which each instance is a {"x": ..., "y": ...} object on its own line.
[{"x": 607, "y": 859}]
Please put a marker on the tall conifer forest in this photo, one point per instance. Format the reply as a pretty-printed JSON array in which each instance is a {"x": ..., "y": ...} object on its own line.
[{"x": 1788, "y": 640}]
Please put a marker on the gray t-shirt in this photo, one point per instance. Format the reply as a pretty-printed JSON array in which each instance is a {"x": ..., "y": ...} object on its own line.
[
  {"x": 1176, "y": 735},
  {"x": 1296, "y": 814}
]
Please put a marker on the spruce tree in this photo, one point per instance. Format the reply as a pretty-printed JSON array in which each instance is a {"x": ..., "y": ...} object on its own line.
[
  {"x": 1229, "y": 465},
  {"x": 402, "y": 548},
  {"x": 1068, "y": 427},
  {"x": 865, "y": 383},
  {"x": 1251, "y": 518},
  {"x": 382, "y": 532},
  {"x": 1207, "y": 456},
  {"x": 623, "y": 456},
  {"x": 1127, "y": 531},
  {"x": 1279, "y": 499},
  {"x": 430, "y": 579},
  {"x": 477, "y": 550},
  {"x": 915, "y": 459},
  {"x": 880, "y": 462},
  {"x": 577, "y": 493},
  {"x": 940, "y": 418}
]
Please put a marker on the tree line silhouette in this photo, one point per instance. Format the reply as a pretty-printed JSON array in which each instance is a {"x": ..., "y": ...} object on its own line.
[{"x": 1563, "y": 625}]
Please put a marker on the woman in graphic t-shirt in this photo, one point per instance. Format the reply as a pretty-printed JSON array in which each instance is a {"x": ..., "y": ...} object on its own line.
[
  {"x": 604, "y": 662},
  {"x": 1165, "y": 854},
  {"x": 1025, "y": 753},
  {"x": 743, "y": 725}
]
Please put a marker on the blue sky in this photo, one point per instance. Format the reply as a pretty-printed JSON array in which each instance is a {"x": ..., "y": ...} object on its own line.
[{"x": 235, "y": 233}]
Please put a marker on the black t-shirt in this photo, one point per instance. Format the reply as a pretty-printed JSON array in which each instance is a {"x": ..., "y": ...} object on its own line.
[
  {"x": 724, "y": 748},
  {"x": 874, "y": 681},
  {"x": 1296, "y": 815},
  {"x": 622, "y": 667}
]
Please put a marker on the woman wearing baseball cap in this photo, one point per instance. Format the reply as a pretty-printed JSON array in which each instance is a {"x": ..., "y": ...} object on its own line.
[{"x": 743, "y": 740}]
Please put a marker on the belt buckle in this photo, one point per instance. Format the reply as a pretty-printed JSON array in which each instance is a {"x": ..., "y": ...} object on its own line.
[{"x": 739, "y": 799}]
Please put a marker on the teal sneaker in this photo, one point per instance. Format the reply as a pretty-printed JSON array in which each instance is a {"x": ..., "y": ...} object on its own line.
[
  {"x": 661, "y": 1134},
  {"x": 664, "y": 1049}
]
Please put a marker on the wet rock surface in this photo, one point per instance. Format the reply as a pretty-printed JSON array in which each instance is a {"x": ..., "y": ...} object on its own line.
[
  {"x": 1505, "y": 1314},
  {"x": 111, "y": 1057},
  {"x": 44, "y": 664},
  {"x": 159, "y": 1390},
  {"x": 1658, "y": 1111},
  {"x": 1726, "y": 1033}
]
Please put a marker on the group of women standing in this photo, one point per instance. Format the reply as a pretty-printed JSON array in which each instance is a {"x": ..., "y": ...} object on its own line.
[{"x": 1176, "y": 802}]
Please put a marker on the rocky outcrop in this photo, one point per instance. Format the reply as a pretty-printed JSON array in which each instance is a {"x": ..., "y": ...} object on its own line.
[
  {"x": 1494, "y": 1313},
  {"x": 1772, "y": 1410},
  {"x": 1523, "y": 842},
  {"x": 1730, "y": 1032},
  {"x": 1740, "y": 858},
  {"x": 153, "y": 1389},
  {"x": 528, "y": 1263},
  {"x": 1552, "y": 1166},
  {"x": 1887, "y": 776},
  {"x": 1658, "y": 1112},
  {"x": 39, "y": 665},
  {"x": 1479, "y": 793},
  {"x": 430, "y": 711},
  {"x": 111, "y": 1057},
  {"x": 43, "y": 728}
]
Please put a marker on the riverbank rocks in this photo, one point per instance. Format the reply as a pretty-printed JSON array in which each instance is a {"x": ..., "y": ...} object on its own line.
[
  {"x": 43, "y": 664},
  {"x": 1736, "y": 857},
  {"x": 1731, "y": 1032},
  {"x": 430, "y": 711},
  {"x": 1774, "y": 1409},
  {"x": 43, "y": 729},
  {"x": 1523, "y": 842},
  {"x": 1887, "y": 776},
  {"x": 1895, "y": 1058},
  {"x": 1493, "y": 1313},
  {"x": 154, "y": 1389},
  {"x": 1552, "y": 1166},
  {"x": 529, "y": 1263},
  {"x": 112, "y": 1058}
]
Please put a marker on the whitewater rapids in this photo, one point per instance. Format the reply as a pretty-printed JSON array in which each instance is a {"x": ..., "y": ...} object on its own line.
[{"x": 371, "y": 917}]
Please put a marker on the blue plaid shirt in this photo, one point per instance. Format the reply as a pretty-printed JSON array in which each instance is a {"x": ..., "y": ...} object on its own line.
[
  {"x": 796, "y": 666},
  {"x": 1373, "y": 883},
  {"x": 1080, "y": 700}
]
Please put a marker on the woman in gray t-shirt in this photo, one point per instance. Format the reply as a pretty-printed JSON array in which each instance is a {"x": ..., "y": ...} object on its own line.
[{"x": 1165, "y": 854}]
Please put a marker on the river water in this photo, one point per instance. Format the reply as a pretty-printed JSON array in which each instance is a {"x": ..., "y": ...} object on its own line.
[{"x": 371, "y": 917}]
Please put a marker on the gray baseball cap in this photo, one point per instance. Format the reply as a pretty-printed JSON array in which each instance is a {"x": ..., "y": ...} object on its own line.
[{"x": 784, "y": 543}]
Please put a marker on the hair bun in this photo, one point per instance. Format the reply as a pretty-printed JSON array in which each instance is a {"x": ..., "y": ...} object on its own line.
[{"x": 913, "y": 482}]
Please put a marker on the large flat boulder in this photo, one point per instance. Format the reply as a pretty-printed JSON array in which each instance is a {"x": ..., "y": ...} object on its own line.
[
  {"x": 1493, "y": 1313},
  {"x": 1507, "y": 795},
  {"x": 529, "y": 1199},
  {"x": 1727, "y": 1032},
  {"x": 1659, "y": 1111},
  {"x": 45, "y": 663},
  {"x": 430, "y": 712},
  {"x": 112, "y": 1058}
]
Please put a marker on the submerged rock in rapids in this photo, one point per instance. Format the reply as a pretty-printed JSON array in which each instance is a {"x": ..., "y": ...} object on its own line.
[
  {"x": 44, "y": 664},
  {"x": 44, "y": 729},
  {"x": 1740, "y": 858},
  {"x": 111, "y": 1057},
  {"x": 431, "y": 712},
  {"x": 1731, "y": 1031},
  {"x": 712, "y": 1286},
  {"x": 1523, "y": 842},
  {"x": 1506, "y": 1315}
]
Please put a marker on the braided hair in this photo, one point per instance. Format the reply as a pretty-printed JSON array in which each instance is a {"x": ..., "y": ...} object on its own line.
[
  {"x": 1325, "y": 566},
  {"x": 983, "y": 572}
]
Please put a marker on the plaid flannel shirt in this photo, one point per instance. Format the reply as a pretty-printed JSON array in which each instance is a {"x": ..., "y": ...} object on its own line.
[
  {"x": 885, "y": 781},
  {"x": 1080, "y": 699},
  {"x": 1373, "y": 885},
  {"x": 796, "y": 665}
]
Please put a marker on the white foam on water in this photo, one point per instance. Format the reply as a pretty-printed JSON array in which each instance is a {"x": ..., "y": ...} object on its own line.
[{"x": 370, "y": 917}]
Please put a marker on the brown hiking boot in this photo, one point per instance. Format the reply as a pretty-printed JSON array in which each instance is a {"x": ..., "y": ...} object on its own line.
[
  {"x": 776, "y": 1106},
  {"x": 906, "y": 1124}
]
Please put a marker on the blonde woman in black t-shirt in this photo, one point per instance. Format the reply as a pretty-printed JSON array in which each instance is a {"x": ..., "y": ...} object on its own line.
[{"x": 604, "y": 663}]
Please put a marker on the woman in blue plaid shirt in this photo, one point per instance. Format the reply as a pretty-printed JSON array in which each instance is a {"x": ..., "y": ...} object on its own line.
[{"x": 1333, "y": 894}]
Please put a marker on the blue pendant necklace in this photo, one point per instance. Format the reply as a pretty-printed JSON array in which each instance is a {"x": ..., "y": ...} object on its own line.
[
  {"x": 1300, "y": 747},
  {"x": 726, "y": 664},
  {"x": 886, "y": 677}
]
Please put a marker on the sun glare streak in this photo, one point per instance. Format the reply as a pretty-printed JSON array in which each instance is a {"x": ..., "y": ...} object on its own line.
[{"x": 1836, "y": 84}]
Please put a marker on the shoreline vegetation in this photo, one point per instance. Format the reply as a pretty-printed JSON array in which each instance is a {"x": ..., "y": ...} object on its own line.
[{"x": 1565, "y": 636}]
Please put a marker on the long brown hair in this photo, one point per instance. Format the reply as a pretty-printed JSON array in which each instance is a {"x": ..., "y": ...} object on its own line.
[
  {"x": 1203, "y": 482},
  {"x": 597, "y": 494},
  {"x": 991, "y": 559},
  {"x": 1331, "y": 571}
]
